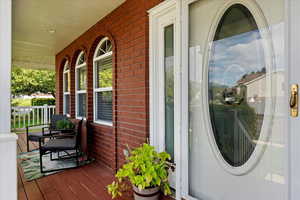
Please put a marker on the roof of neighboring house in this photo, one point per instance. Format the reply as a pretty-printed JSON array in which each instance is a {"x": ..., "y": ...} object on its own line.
[{"x": 250, "y": 77}]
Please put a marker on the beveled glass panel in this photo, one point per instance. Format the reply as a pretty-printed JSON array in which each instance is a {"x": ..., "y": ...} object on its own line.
[
  {"x": 237, "y": 85},
  {"x": 104, "y": 72}
]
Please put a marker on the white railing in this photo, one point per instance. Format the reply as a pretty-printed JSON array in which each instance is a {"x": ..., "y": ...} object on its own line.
[
  {"x": 23, "y": 116},
  {"x": 242, "y": 141}
]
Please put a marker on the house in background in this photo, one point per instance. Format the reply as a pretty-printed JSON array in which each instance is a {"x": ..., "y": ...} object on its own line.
[{"x": 155, "y": 70}]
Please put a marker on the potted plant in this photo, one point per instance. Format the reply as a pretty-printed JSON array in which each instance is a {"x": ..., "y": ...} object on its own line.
[
  {"x": 64, "y": 124},
  {"x": 147, "y": 171}
]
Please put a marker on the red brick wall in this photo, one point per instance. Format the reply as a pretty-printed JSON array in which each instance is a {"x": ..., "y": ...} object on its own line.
[{"x": 127, "y": 28}]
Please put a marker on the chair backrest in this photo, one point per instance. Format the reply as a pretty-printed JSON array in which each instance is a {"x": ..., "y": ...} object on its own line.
[
  {"x": 55, "y": 118},
  {"x": 77, "y": 130}
]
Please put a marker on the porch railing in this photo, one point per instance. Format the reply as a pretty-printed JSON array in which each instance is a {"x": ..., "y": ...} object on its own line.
[{"x": 23, "y": 116}]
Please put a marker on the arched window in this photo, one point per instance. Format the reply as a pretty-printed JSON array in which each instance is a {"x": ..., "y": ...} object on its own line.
[
  {"x": 103, "y": 82},
  {"x": 66, "y": 88},
  {"x": 81, "y": 84}
]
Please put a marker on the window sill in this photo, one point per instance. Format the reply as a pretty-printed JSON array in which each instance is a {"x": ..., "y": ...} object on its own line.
[
  {"x": 80, "y": 118},
  {"x": 105, "y": 123}
]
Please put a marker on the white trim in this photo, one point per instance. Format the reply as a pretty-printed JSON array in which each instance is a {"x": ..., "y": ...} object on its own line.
[
  {"x": 8, "y": 168},
  {"x": 5, "y": 63},
  {"x": 66, "y": 65},
  {"x": 292, "y": 60},
  {"x": 8, "y": 146},
  {"x": 102, "y": 122},
  {"x": 98, "y": 47},
  {"x": 81, "y": 91},
  {"x": 8, "y": 137},
  {"x": 81, "y": 65},
  {"x": 100, "y": 89},
  {"x": 103, "y": 56},
  {"x": 78, "y": 58},
  {"x": 77, "y": 92},
  {"x": 185, "y": 97},
  {"x": 66, "y": 72},
  {"x": 164, "y": 14},
  {"x": 105, "y": 89}
]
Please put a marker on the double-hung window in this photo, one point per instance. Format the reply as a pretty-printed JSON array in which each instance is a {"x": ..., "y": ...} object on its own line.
[
  {"x": 103, "y": 74},
  {"x": 81, "y": 84},
  {"x": 66, "y": 88}
]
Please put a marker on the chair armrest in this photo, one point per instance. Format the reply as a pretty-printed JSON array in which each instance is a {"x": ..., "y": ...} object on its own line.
[
  {"x": 56, "y": 136},
  {"x": 43, "y": 129},
  {"x": 67, "y": 130},
  {"x": 38, "y": 125},
  {"x": 31, "y": 126}
]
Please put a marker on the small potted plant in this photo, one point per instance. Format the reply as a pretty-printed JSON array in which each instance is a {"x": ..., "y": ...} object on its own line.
[
  {"x": 64, "y": 124},
  {"x": 147, "y": 171}
]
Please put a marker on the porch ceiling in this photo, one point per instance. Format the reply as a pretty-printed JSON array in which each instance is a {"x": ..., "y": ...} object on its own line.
[{"x": 43, "y": 28}]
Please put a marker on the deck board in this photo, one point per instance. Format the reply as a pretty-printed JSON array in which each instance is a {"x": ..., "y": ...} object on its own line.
[{"x": 84, "y": 183}]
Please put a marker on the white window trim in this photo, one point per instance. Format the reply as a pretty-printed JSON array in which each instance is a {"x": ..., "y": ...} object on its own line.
[
  {"x": 76, "y": 86},
  {"x": 64, "y": 92},
  {"x": 97, "y": 90}
]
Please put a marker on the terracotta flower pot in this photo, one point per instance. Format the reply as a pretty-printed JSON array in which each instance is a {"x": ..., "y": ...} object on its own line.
[{"x": 146, "y": 194}]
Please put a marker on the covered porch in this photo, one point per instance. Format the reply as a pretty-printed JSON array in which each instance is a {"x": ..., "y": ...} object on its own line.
[
  {"x": 85, "y": 183},
  {"x": 33, "y": 39}
]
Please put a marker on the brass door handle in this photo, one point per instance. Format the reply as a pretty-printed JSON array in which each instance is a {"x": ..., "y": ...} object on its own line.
[{"x": 294, "y": 99}]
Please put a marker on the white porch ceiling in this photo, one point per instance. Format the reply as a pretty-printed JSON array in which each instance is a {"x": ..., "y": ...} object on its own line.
[{"x": 42, "y": 28}]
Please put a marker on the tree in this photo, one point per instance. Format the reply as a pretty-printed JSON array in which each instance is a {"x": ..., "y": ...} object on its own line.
[{"x": 29, "y": 81}]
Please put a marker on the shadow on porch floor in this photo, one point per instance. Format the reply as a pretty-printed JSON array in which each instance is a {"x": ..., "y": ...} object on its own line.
[{"x": 84, "y": 183}]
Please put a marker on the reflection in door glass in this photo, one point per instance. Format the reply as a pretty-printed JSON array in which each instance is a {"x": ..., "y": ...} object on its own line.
[
  {"x": 169, "y": 89},
  {"x": 237, "y": 82}
]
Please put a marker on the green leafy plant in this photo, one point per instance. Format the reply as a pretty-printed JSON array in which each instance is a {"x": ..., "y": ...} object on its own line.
[
  {"x": 145, "y": 168},
  {"x": 64, "y": 124}
]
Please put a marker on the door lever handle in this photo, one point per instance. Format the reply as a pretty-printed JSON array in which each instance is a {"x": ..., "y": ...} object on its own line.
[{"x": 294, "y": 98}]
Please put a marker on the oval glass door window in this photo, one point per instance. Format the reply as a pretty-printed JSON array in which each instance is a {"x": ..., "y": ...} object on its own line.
[{"x": 237, "y": 82}]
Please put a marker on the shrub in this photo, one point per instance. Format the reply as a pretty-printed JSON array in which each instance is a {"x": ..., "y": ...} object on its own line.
[
  {"x": 21, "y": 102},
  {"x": 42, "y": 101}
]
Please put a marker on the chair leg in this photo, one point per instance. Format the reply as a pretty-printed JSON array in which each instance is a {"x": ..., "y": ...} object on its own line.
[
  {"x": 41, "y": 162},
  {"x": 77, "y": 158},
  {"x": 27, "y": 143}
]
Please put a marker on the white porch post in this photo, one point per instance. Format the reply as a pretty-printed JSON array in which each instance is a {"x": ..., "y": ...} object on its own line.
[{"x": 8, "y": 164}]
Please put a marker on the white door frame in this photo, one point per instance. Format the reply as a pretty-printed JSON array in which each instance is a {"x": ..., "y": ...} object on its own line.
[
  {"x": 166, "y": 13},
  {"x": 292, "y": 45},
  {"x": 292, "y": 60}
]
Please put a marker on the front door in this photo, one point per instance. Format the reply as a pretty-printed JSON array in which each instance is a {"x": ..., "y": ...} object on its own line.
[{"x": 237, "y": 117}]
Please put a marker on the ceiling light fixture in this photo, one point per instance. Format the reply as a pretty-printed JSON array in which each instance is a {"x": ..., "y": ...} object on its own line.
[{"x": 52, "y": 31}]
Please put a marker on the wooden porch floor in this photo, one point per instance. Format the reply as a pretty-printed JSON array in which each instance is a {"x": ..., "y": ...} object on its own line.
[{"x": 84, "y": 183}]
